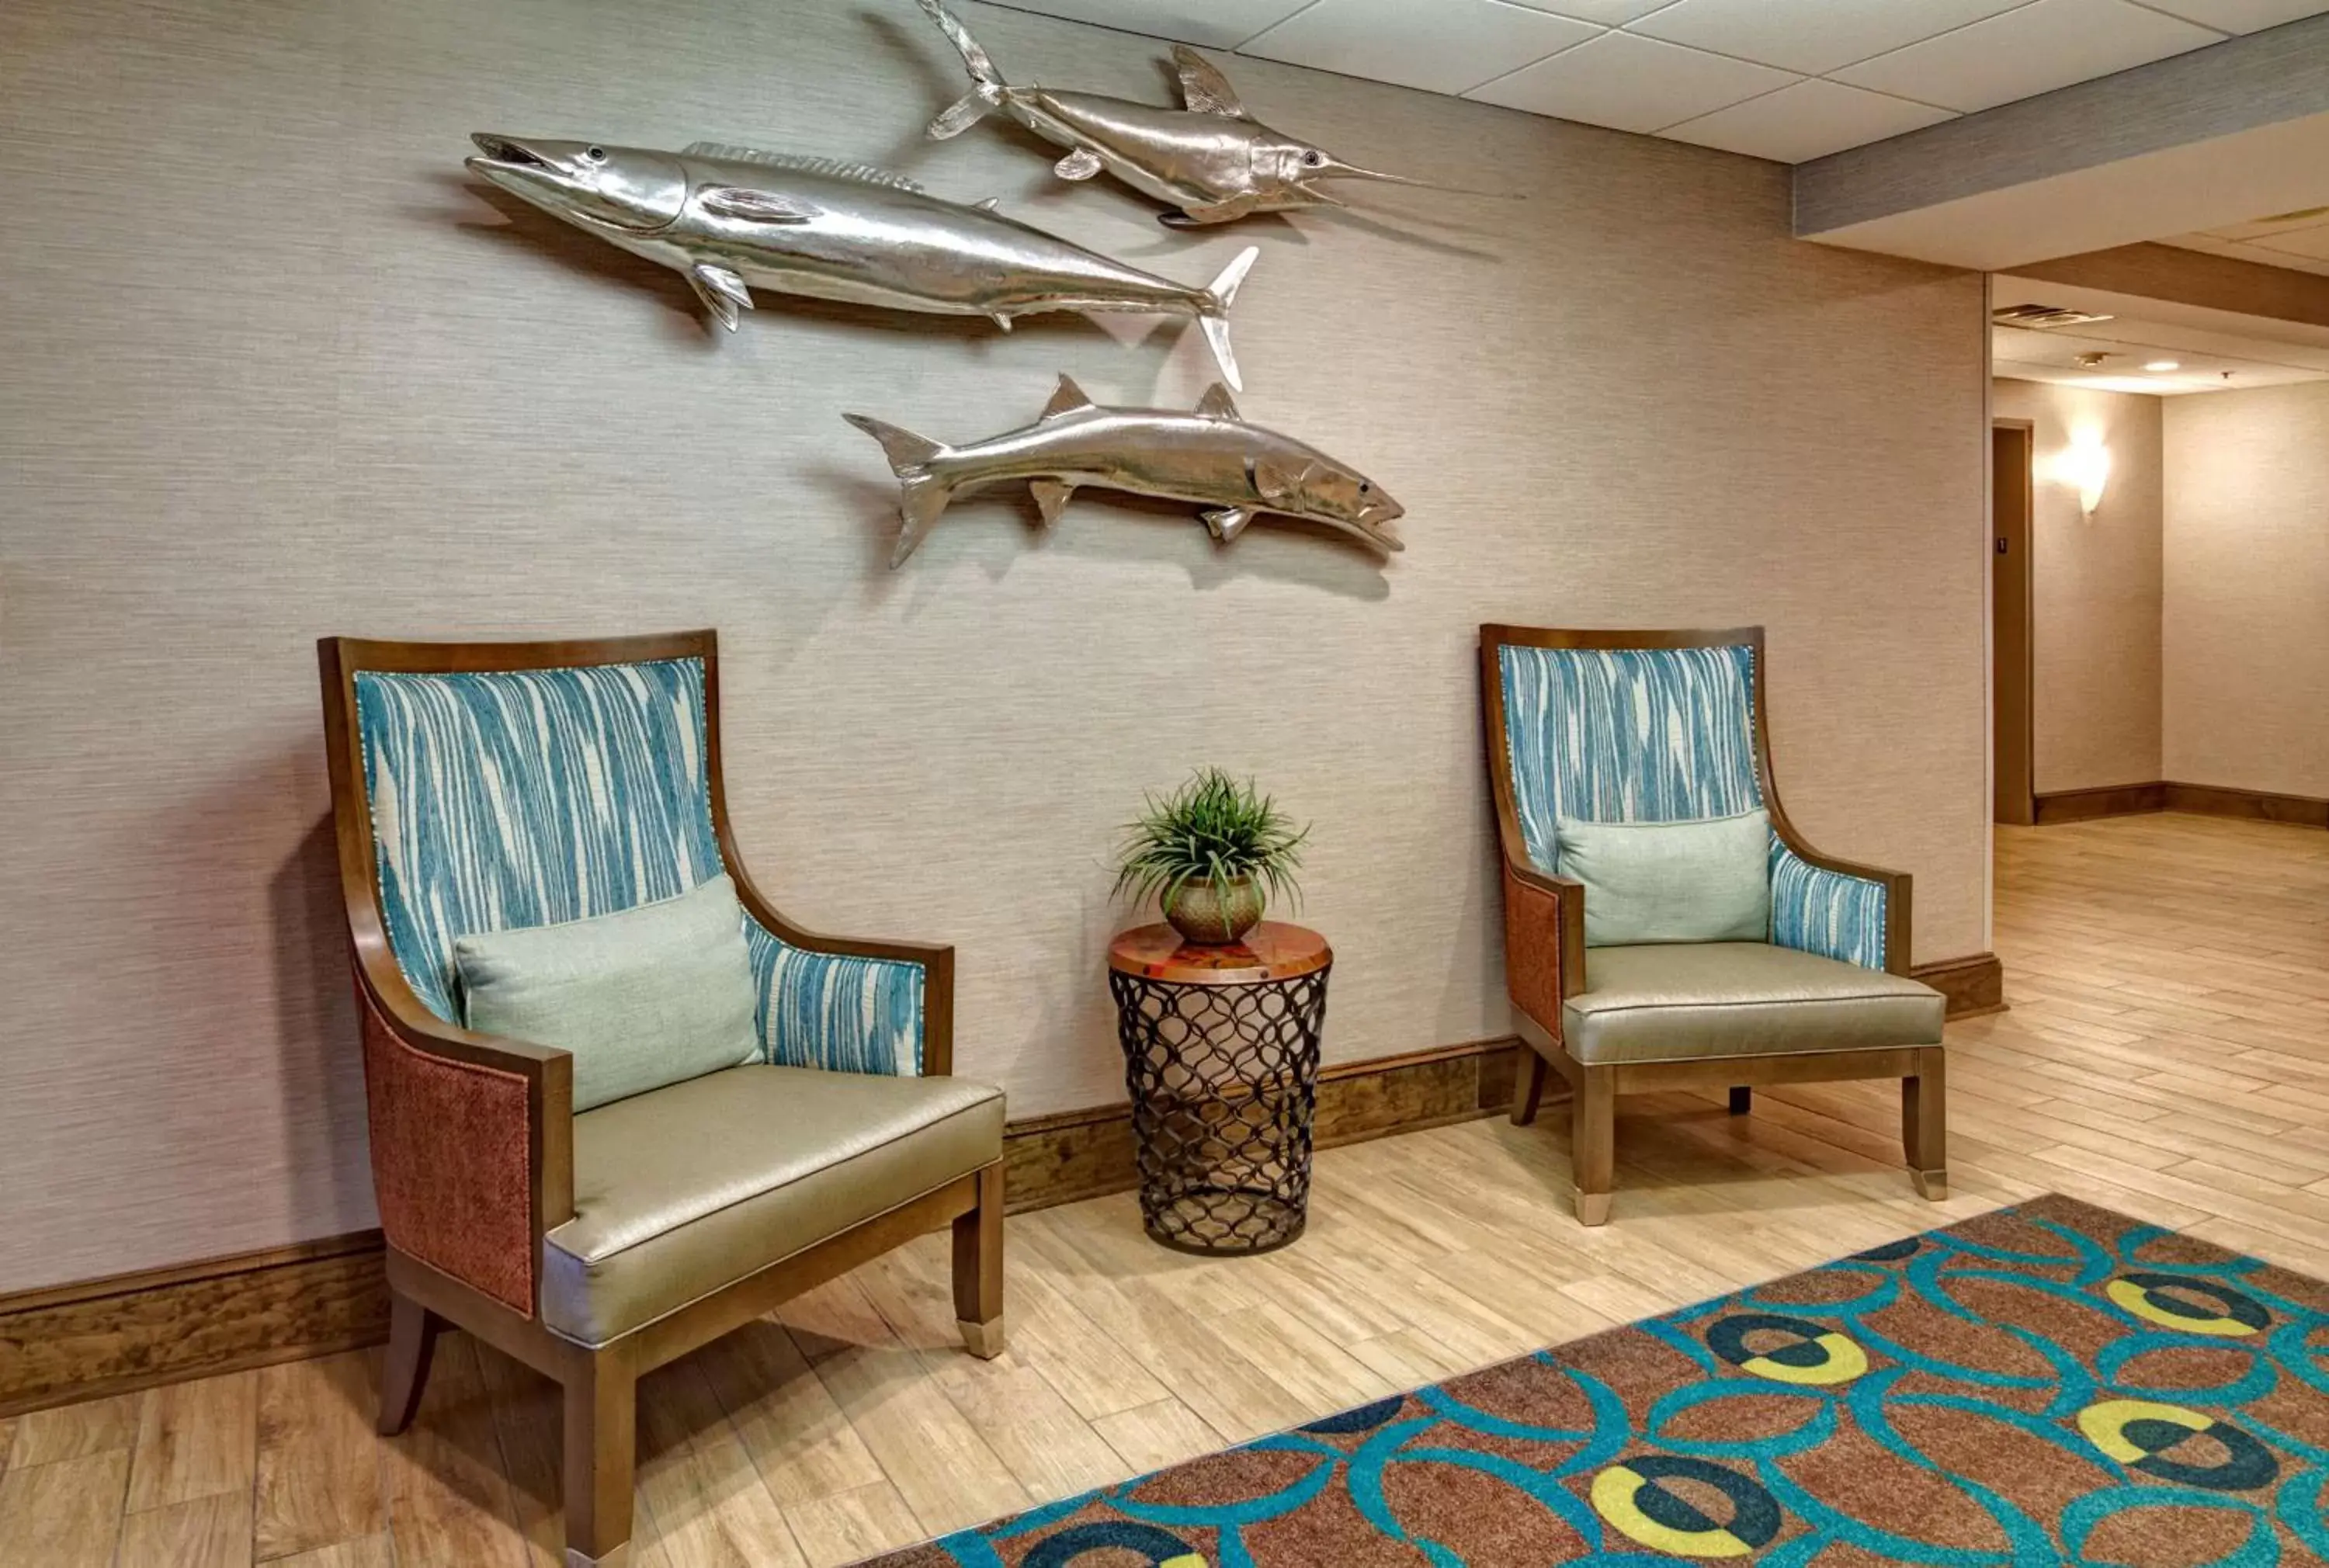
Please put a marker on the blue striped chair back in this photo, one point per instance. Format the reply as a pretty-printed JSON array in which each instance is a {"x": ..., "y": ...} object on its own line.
[
  {"x": 1661, "y": 735},
  {"x": 1630, "y": 735},
  {"x": 527, "y": 797}
]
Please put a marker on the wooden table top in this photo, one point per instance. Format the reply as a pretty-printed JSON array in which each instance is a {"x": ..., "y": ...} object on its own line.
[{"x": 1272, "y": 950}]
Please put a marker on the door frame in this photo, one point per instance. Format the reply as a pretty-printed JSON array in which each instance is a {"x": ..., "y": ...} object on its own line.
[{"x": 2027, "y": 801}]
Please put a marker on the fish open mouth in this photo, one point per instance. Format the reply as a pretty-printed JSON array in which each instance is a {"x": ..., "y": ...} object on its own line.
[{"x": 507, "y": 154}]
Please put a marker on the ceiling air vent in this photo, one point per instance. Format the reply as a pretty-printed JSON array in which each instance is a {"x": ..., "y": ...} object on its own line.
[{"x": 2043, "y": 317}]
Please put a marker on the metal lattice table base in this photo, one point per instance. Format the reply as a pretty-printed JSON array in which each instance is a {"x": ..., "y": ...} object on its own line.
[{"x": 1224, "y": 1082}]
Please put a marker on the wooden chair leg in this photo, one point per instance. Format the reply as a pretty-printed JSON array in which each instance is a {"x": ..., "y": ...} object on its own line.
[
  {"x": 1528, "y": 1088},
  {"x": 978, "y": 1269},
  {"x": 412, "y": 1345},
  {"x": 1924, "y": 1123},
  {"x": 1742, "y": 1100},
  {"x": 602, "y": 1402},
  {"x": 1593, "y": 1142}
]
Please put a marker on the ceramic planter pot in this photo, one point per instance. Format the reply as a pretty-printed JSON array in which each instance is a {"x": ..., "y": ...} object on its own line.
[{"x": 1202, "y": 915}]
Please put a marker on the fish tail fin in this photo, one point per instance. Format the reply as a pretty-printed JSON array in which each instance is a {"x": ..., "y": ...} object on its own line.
[
  {"x": 962, "y": 114},
  {"x": 986, "y": 84},
  {"x": 1214, "y": 312},
  {"x": 923, "y": 495}
]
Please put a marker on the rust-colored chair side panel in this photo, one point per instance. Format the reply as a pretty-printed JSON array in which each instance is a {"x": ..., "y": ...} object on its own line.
[{"x": 451, "y": 1163}]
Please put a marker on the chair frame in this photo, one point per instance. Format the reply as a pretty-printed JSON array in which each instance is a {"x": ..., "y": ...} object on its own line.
[
  {"x": 601, "y": 1382},
  {"x": 1545, "y": 914}
]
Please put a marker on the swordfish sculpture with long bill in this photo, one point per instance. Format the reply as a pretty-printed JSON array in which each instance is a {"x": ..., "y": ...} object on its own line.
[
  {"x": 731, "y": 219},
  {"x": 1212, "y": 160},
  {"x": 1210, "y": 458}
]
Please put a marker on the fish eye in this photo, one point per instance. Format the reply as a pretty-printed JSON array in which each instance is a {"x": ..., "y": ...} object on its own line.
[
  {"x": 595, "y": 154},
  {"x": 1364, "y": 487},
  {"x": 1314, "y": 157}
]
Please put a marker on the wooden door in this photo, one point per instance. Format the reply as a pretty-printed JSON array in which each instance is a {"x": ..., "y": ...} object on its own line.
[{"x": 2009, "y": 453}]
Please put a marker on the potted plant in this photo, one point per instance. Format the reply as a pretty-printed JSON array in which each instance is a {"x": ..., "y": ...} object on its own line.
[{"x": 1212, "y": 853}]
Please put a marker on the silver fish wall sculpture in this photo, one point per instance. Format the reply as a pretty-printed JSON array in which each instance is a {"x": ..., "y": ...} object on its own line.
[
  {"x": 1210, "y": 458},
  {"x": 731, "y": 219},
  {"x": 1212, "y": 160}
]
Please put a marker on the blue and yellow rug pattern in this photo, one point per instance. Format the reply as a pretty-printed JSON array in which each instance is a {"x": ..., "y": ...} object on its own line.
[{"x": 2049, "y": 1383}]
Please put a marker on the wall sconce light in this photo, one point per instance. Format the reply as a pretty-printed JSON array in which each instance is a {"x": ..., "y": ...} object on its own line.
[{"x": 2085, "y": 465}]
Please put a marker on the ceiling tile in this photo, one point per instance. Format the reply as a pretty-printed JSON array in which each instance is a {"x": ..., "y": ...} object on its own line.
[
  {"x": 1216, "y": 23},
  {"x": 1631, "y": 84},
  {"x": 2258, "y": 227},
  {"x": 2207, "y": 244},
  {"x": 2036, "y": 49},
  {"x": 1445, "y": 46},
  {"x": 1813, "y": 36},
  {"x": 2253, "y": 251},
  {"x": 1608, "y": 12},
  {"x": 2312, "y": 243},
  {"x": 2241, "y": 16},
  {"x": 2317, "y": 265},
  {"x": 1808, "y": 120}
]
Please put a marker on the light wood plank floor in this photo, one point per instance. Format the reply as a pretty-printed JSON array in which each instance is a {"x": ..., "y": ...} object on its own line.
[{"x": 2167, "y": 1055}]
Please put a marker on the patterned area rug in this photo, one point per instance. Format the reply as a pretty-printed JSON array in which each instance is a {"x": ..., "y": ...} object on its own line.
[{"x": 2050, "y": 1384}]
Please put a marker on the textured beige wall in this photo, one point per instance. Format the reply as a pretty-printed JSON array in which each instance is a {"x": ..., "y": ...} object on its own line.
[
  {"x": 276, "y": 368},
  {"x": 2094, "y": 590},
  {"x": 2247, "y": 591}
]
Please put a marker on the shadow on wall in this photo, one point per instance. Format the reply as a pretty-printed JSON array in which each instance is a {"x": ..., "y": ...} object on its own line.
[
  {"x": 322, "y": 1055},
  {"x": 1480, "y": 922}
]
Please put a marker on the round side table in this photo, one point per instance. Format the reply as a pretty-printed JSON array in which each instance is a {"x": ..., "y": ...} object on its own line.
[{"x": 1220, "y": 1056}]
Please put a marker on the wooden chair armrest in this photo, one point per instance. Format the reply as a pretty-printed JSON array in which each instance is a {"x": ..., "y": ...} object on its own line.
[
  {"x": 472, "y": 1141},
  {"x": 1843, "y": 867},
  {"x": 935, "y": 959},
  {"x": 1544, "y": 941},
  {"x": 1897, "y": 891}
]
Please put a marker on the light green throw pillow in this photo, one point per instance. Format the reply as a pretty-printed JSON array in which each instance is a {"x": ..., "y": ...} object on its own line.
[
  {"x": 1708, "y": 880},
  {"x": 645, "y": 998}
]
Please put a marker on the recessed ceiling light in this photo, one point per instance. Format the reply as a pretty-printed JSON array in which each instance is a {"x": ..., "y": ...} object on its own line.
[{"x": 2165, "y": 365}]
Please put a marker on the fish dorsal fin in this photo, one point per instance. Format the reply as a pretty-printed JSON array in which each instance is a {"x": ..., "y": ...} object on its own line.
[
  {"x": 1204, "y": 88},
  {"x": 992, "y": 204},
  {"x": 1067, "y": 399},
  {"x": 830, "y": 168},
  {"x": 1217, "y": 403}
]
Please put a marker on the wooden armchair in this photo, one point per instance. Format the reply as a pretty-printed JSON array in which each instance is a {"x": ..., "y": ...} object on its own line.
[
  {"x": 1668, "y": 725},
  {"x": 481, "y": 786}
]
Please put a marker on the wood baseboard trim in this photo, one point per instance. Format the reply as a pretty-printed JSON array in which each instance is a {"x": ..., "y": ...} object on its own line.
[
  {"x": 1975, "y": 985},
  {"x": 131, "y": 1331},
  {"x": 2085, "y": 805},
  {"x": 2259, "y": 805},
  {"x": 113, "y": 1335},
  {"x": 1078, "y": 1154},
  {"x": 2207, "y": 800}
]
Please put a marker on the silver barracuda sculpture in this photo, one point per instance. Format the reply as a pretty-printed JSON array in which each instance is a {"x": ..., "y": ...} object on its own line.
[
  {"x": 731, "y": 219},
  {"x": 1210, "y": 458},
  {"x": 1212, "y": 160}
]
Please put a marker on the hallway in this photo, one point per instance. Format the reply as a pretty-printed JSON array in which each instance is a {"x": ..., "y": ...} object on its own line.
[{"x": 2167, "y": 1055}]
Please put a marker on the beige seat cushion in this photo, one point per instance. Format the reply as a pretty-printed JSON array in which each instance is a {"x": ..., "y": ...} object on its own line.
[
  {"x": 691, "y": 1187},
  {"x": 1684, "y": 1001}
]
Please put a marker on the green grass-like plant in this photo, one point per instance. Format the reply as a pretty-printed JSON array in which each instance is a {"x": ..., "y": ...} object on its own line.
[{"x": 1213, "y": 829}]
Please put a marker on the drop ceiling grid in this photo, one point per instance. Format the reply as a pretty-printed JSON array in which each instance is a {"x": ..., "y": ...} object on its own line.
[
  {"x": 1787, "y": 79},
  {"x": 2301, "y": 249}
]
